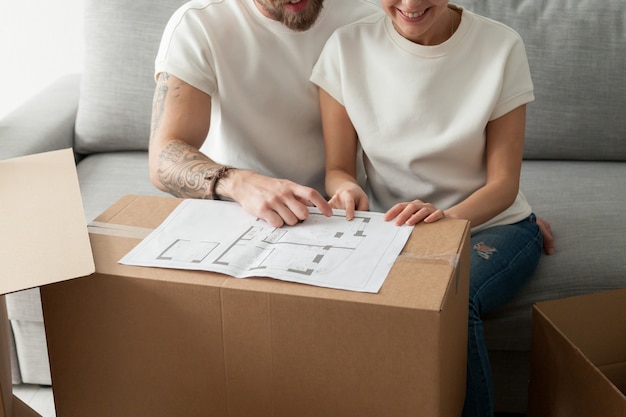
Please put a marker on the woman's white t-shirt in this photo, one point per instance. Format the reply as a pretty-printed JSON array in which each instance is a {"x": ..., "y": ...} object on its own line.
[{"x": 420, "y": 112}]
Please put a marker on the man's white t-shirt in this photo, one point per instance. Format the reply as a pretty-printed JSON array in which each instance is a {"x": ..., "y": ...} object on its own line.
[
  {"x": 420, "y": 111},
  {"x": 265, "y": 111}
]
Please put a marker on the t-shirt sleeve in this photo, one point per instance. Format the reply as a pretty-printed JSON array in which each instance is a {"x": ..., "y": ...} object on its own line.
[
  {"x": 185, "y": 51},
  {"x": 326, "y": 73},
  {"x": 517, "y": 85}
]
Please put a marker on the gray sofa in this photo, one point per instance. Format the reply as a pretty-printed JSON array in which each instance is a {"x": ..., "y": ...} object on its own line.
[{"x": 574, "y": 173}]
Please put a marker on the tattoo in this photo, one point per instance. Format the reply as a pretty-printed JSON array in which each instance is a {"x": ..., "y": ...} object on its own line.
[{"x": 183, "y": 170}]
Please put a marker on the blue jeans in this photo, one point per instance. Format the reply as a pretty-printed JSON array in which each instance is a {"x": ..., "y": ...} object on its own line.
[{"x": 502, "y": 260}]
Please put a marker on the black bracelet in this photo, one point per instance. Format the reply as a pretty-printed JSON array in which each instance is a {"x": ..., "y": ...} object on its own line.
[{"x": 213, "y": 179}]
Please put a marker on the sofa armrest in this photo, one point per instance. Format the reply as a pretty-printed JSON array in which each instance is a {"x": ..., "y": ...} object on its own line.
[{"x": 44, "y": 123}]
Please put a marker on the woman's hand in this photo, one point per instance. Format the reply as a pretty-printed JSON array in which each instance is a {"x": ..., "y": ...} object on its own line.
[
  {"x": 548, "y": 237},
  {"x": 413, "y": 212},
  {"x": 350, "y": 197}
]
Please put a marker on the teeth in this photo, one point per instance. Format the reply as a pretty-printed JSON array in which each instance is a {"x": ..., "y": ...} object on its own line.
[
  {"x": 413, "y": 15},
  {"x": 294, "y": 1}
]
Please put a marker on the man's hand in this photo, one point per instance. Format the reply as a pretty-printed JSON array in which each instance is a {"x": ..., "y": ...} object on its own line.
[
  {"x": 548, "y": 238},
  {"x": 276, "y": 201}
]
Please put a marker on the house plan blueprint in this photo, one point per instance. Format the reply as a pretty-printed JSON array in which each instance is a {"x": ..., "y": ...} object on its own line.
[{"x": 325, "y": 251}]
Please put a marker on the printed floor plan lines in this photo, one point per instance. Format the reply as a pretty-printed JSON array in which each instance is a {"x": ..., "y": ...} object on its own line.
[
  {"x": 261, "y": 247},
  {"x": 187, "y": 251},
  {"x": 220, "y": 236}
]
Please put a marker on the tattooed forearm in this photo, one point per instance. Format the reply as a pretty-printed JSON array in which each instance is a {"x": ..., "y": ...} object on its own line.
[{"x": 183, "y": 171}]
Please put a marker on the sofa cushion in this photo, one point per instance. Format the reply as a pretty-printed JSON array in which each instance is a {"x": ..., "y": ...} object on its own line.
[
  {"x": 105, "y": 177},
  {"x": 121, "y": 39},
  {"x": 44, "y": 123},
  {"x": 584, "y": 202},
  {"x": 577, "y": 55}
]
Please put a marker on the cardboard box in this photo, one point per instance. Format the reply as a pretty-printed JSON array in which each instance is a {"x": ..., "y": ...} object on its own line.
[
  {"x": 578, "y": 356},
  {"x": 44, "y": 240},
  {"x": 133, "y": 341}
]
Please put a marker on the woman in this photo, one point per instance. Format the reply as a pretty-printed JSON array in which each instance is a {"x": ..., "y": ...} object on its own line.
[{"x": 436, "y": 98}]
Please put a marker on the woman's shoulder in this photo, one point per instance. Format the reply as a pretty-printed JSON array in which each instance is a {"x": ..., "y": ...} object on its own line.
[{"x": 488, "y": 26}]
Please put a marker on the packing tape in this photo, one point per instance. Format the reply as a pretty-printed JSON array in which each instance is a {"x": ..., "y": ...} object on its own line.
[
  {"x": 111, "y": 229},
  {"x": 451, "y": 259},
  {"x": 440, "y": 258}
]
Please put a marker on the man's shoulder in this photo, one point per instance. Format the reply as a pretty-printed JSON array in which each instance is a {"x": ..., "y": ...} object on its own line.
[
  {"x": 201, "y": 4},
  {"x": 214, "y": 6},
  {"x": 199, "y": 15}
]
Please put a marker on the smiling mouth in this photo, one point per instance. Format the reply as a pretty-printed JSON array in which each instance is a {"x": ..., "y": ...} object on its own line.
[
  {"x": 412, "y": 15},
  {"x": 295, "y": 5}
]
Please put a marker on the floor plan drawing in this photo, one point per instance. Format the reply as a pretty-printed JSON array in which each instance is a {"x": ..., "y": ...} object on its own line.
[
  {"x": 325, "y": 251},
  {"x": 182, "y": 250},
  {"x": 261, "y": 247}
]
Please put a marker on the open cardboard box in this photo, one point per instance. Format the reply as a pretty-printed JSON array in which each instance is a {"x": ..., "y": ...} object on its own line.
[
  {"x": 133, "y": 341},
  {"x": 578, "y": 357},
  {"x": 44, "y": 240}
]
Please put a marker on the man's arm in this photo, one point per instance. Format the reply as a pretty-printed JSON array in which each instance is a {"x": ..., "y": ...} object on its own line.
[{"x": 180, "y": 124}]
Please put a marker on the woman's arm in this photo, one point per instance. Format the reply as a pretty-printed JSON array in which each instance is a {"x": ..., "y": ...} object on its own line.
[
  {"x": 341, "y": 142},
  {"x": 503, "y": 154}
]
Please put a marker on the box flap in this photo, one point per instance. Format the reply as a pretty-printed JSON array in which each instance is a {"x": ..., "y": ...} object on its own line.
[
  {"x": 577, "y": 356},
  {"x": 45, "y": 237},
  {"x": 616, "y": 373},
  {"x": 6, "y": 395},
  {"x": 20, "y": 409},
  {"x": 587, "y": 318}
]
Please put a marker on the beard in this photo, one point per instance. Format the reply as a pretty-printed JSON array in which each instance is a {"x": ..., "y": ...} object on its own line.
[{"x": 299, "y": 21}]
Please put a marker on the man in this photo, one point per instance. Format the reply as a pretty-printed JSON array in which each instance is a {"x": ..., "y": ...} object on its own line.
[
  {"x": 233, "y": 91},
  {"x": 238, "y": 70}
]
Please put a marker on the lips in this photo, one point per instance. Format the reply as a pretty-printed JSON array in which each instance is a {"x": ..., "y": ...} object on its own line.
[
  {"x": 412, "y": 16},
  {"x": 296, "y": 6}
]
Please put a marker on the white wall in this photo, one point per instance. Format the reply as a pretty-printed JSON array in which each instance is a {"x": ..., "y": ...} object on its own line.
[{"x": 40, "y": 40}]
